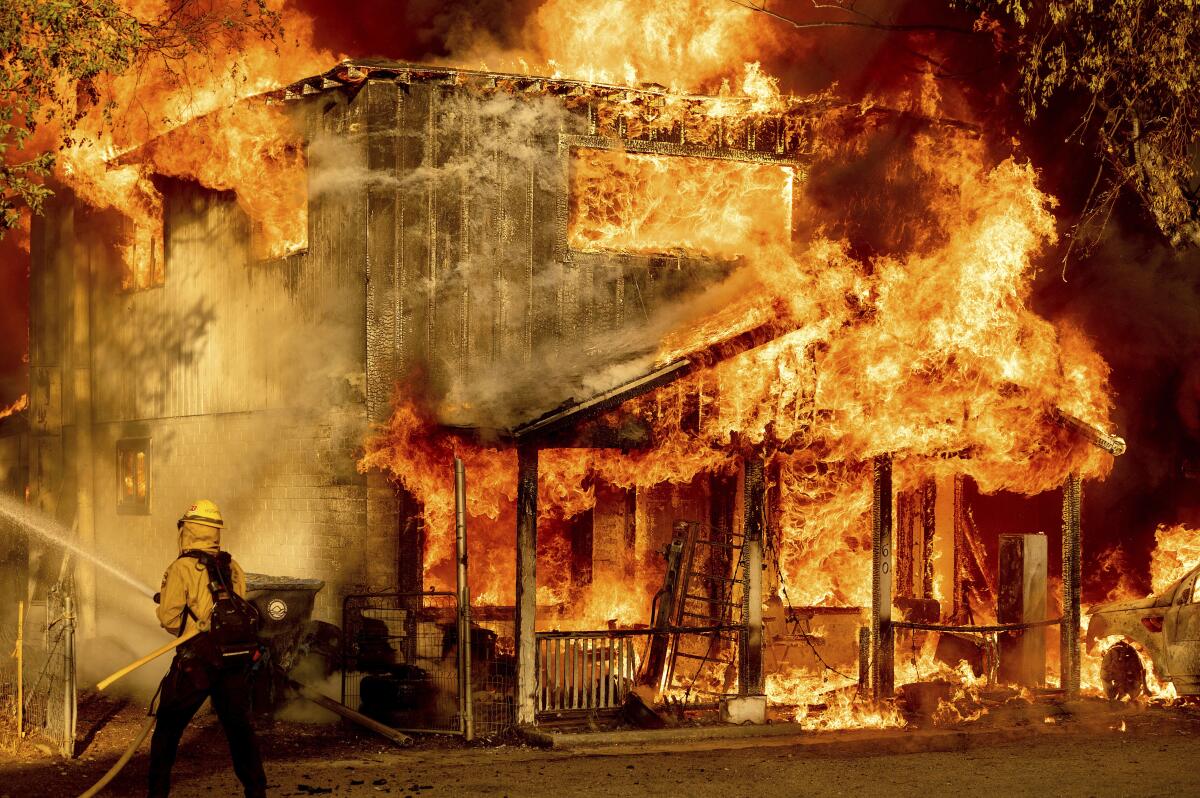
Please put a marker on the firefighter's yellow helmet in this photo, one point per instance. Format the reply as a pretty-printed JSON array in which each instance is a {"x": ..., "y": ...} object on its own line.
[{"x": 205, "y": 513}]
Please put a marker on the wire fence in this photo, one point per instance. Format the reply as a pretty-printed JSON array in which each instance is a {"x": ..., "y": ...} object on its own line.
[
  {"x": 401, "y": 665},
  {"x": 37, "y": 688}
]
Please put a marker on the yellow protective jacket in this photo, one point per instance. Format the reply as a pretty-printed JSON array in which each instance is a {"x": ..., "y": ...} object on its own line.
[{"x": 185, "y": 584}]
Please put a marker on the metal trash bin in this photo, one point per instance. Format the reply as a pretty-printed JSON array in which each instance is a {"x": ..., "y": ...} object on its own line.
[{"x": 296, "y": 646}]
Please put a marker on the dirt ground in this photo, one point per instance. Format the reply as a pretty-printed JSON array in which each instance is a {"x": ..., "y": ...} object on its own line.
[{"x": 1091, "y": 749}]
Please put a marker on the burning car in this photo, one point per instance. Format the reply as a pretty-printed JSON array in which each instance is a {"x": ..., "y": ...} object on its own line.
[{"x": 1166, "y": 625}]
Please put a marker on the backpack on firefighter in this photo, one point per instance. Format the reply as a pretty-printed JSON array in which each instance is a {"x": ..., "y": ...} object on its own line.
[{"x": 233, "y": 627}]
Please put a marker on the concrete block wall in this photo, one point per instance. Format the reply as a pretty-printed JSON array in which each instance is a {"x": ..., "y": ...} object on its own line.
[{"x": 292, "y": 501}]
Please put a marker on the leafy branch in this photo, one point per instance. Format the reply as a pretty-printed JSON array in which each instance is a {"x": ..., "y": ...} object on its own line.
[
  {"x": 57, "y": 56},
  {"x": 845, "y": 14},
  {"x": 1134, "y": 64}
]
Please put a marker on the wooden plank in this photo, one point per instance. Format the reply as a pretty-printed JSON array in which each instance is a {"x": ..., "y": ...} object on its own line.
[{"x": 526, "y": 588}]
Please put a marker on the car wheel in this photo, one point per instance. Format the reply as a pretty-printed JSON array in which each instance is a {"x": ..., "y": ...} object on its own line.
[{"x": 1122, "y": 673}]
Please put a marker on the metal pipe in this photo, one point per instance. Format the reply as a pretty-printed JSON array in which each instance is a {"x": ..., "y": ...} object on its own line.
[
  {"x": 320, "y": 700},
  {"x": 20, "y": 655},
  {"x": 69, "y": 703},
  {"x": 464, "y": 601}
]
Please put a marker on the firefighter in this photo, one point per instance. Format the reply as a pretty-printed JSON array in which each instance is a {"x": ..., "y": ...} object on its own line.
[{"x": 199, "y": 670}]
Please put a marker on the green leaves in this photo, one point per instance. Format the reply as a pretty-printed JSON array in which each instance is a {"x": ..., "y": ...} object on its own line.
[
  {"x": 51, "y": 51},
  {"x": 1135, "y": 64},
  {"x": 56, "y": 57}
]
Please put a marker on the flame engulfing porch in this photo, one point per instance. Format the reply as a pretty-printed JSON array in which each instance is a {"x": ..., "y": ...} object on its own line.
[{"x": 561, "y": 240}]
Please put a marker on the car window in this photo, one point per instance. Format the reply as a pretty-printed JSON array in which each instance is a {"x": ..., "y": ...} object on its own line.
[{"x": 1184, "y": 594}]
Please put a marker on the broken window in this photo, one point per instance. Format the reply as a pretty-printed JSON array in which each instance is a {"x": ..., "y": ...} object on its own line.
[
  {"x": 141, "y": 251},
  {"x": 649, "y": 204},
  {"x": 133, "y": 476},
  {"x": 275, "y": 197}
]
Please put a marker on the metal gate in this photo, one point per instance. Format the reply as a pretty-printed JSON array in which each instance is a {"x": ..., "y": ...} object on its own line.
[
  {"x": 402, "y": 665},
  {"x": 37, "y": 677}
]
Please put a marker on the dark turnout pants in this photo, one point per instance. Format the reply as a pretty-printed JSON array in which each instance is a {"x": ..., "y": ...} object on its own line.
[{"x": 184, "y": 689}]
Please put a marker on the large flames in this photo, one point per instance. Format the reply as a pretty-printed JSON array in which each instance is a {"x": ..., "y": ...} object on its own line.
[
  {"x": 648, "y": 204},
  {"x": 924, "y": 349},
  {"x": 1176, "y": 551},
  {"x": 113, "y": 150}
]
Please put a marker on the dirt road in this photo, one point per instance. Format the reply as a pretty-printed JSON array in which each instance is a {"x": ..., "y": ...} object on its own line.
[{"x": 1154, "y": 756}]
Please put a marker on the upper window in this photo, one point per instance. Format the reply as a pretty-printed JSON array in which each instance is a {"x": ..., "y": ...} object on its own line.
[
  {"x": 143, "y": 264},
  {"x": 133, "y": 476},
  {"x": 649, "y": 204},
  {"x": 275, "y": 197}
]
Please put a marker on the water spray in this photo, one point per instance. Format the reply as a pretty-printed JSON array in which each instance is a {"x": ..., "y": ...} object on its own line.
[{"x": 53, "y": 532}]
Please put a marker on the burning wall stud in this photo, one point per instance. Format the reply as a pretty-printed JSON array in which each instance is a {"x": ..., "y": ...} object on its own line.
[
  {"x": 882, "y": 635},
  {"x": 1071, "y": 577}
]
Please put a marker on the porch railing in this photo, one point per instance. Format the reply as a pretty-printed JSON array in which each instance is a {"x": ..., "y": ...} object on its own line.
[{"x": 587, "y": 671}]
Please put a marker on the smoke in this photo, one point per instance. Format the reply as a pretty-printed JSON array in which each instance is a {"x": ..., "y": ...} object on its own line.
[
  {"x": 1133, "y": 296},
  {"x": 1140, "y": 302},
  {"x": 510, "y": 139},
  {"x": 55, "y": 554},
  {"x": 311, "y": 672}
]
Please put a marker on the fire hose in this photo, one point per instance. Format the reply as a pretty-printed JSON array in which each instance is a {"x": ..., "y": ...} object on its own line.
[
  {"x": 306, "y": 692},
  {"x": 155, "y": 654},
  {"x": 122, "y": 762}
]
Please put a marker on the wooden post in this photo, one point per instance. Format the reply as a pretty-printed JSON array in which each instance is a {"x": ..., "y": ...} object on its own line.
[
  {"x": 882, "y": 648},
  {"x": 928, "y": 527},
  {"x": 750, "y": 681},
  {"x": 1071, "y": 577},
  {"x": 526, "y": 609},
  {"x": 466, "y": 710},
  {"x": 958, "y": 585}
]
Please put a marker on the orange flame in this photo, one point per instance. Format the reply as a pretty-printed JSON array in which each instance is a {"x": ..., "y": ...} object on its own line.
[
  {"x": 685, "y": 45},
  {"x": 249, "y": 149},
  {"x": 20, "y": 404},
  {"x": 1176, "y": 551},
  {"x": 649, "y": 204}
]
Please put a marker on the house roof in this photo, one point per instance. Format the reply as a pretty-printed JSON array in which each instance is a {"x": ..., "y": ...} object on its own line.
[
  {"x": 354, "y": 72},
  {"x": 545, "y": 428}
]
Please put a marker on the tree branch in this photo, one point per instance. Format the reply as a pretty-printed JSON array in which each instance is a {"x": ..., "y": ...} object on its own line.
[{"x": 865, "y": 22}]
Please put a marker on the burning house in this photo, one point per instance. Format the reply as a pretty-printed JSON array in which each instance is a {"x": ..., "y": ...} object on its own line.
[{"x": 718, "y": 367}]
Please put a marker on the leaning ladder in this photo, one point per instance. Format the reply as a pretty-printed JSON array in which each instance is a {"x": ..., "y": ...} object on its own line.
[{"x": 710, "y": 614}]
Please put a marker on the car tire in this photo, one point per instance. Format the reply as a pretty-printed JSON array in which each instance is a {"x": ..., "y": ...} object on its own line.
[{"x": 1122, "y": 673}]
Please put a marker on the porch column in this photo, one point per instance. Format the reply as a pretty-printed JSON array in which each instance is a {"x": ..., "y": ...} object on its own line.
[
  {"x": 1071, "y": 576},
  {"x": 750, "y": 677},
  {"x": 526, "y": 607},
  {"x": 882, "y": 647}
]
